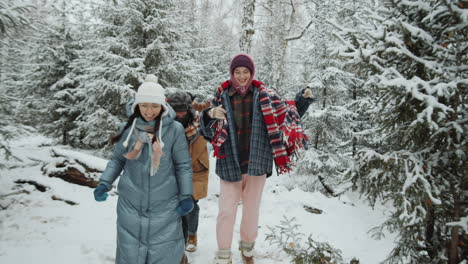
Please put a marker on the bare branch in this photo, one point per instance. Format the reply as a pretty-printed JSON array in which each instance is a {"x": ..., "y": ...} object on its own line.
[
  {"x": 292, "y": 16},
  {"x": 292, "y": 6},
  {"x": 302, "y": 33}
]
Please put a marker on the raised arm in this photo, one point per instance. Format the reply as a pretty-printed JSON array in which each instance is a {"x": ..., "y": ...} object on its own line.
[{"x": 303, "y": 100}]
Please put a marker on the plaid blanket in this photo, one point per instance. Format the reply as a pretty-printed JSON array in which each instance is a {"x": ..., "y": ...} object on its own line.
[{"x": 283, "y": 123}]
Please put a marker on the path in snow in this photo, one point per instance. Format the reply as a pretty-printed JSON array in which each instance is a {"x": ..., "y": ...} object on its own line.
[{"x": 35, "y": 228}]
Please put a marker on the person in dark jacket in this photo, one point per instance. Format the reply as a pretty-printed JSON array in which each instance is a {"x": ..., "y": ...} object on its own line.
[
  {"x": 250, "y": 128},
  {"x": 155, "y": 188},
  {"x": 182, "y": 103}
]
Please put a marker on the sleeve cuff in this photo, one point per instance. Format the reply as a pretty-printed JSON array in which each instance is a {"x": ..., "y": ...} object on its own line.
[
  {"x": 109, "y": 187},
  {"x": 185, "y": 196}
]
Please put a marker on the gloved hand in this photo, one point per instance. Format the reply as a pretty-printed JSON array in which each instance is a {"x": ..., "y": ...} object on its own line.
[
  {"x": 100, "y": 193},
  {"x": 307, "y": 93},
  {"x": 185, "y": 206},
  {"x": 217, "y": 113}
]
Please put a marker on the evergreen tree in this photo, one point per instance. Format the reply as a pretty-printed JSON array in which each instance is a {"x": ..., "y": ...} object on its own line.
[
  {"x": 351, "y": 27},
  {"x": 209, "y": 46},
  {"x": 13, "y": 17},
  {"x": 133, "y": 38},
  {"x": 280, "y": 26},
  {"x": 13, "y": 20},
  {"x": 45, "y": 78},
  {"x": 329, "y": 125},
  {"x": 418, "y": 58},
  {"x": 107, "y": 70},
  {"x": 331, "y": 120}
]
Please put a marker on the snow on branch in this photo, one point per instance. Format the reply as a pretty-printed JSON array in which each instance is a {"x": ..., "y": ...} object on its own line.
[
  {"x": 416, "y": 171},
  {"x": 414, "y": 164},
  {"x": 417, "y": 32},
  {"x": 33, "y": 100},
  {"x": 463, "y": 223},
  {"x": 420, "y": 90},
  {"x": 461, "y": 12},
  {"x": 421, "y": 5},
  {"x": 401, "y": 49}
]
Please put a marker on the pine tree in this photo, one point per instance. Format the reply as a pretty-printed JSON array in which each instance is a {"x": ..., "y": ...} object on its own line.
[
  {"x": 351, "y": 28},
  {"x": 19, "y": 21},
  {"x": 329, "y": 125},
  {"x": 13, "y": 17},
  {"x": 133, "y": 38},
  {"x": 330, "y": 121},
  {"x": 209, "y": 48},
  {"x": 13, "y": 20},
  {"x": 418, "y": 57},
  {"x": 281, "y": 25},
  {"x": 107, "y": 70},
  {"x": 44, "y": 79}
]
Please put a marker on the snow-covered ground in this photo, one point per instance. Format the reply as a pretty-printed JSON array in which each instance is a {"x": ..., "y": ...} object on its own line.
[{"x": 34, "y": 228}]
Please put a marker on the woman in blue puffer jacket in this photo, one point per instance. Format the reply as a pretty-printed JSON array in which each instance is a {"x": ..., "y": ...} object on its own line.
[{"x": 155, "y": 187}]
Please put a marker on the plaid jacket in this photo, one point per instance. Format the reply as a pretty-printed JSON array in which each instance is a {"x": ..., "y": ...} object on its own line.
[{"x": 261, "y": 158}]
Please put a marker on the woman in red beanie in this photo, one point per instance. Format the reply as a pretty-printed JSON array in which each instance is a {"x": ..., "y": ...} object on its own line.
[{"x": 250, "y": 127}]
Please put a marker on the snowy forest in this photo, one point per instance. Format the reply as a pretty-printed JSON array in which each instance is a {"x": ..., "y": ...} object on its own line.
[{"x": 391, "y": 76}]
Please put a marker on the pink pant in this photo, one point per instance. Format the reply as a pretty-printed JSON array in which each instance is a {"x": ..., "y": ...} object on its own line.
[{"x": 249, "y": 190}]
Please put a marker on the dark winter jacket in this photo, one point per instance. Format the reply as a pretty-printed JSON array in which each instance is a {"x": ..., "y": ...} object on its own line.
[{"x": 302, "y": 103}]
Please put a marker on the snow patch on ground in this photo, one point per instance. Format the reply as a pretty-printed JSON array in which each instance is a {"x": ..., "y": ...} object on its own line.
[{"x": 36, "y": 228}]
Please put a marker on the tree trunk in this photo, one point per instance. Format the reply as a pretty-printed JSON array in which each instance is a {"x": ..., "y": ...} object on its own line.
[
  {"x": 429, "y": 232},
  {"x": 64, "y": 136},
  {"x": 316, "y": 140},
  {"x": 245, "y": 43},
  {"x": 354, "y": 123},
  {"x": 455, "y": 239},
  {"x": 453, "y": 250}
]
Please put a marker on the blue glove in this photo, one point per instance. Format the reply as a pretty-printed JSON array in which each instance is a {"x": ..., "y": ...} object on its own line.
[
  {"x": 185, "y": 206},
  {"x": 100, "y": 193}
]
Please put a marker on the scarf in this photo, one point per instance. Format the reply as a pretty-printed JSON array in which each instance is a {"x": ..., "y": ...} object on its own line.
[
  {"x": 283, "y": 123},
  {"x": 143, "y": 134},
  {"x": 242, "y": 90},
  {"x": 191, "y": 131}
]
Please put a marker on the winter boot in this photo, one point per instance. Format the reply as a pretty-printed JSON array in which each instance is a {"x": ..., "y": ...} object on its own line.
[
  {"x": 184, "y": 260},
  {"x": 223, "y": 256},
  {"x": 247, "y": 252},
  {"x": 191, "y": 245}
]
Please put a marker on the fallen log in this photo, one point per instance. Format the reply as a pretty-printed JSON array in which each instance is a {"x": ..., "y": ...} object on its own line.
[{"x": 74, "y": 167}]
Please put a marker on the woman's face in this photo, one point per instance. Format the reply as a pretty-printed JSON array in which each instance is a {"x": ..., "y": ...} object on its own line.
[
  {"x": 149, "y": 111},
  {"x": 183, "y": 118},
  {"x": 242, "y": 75}
]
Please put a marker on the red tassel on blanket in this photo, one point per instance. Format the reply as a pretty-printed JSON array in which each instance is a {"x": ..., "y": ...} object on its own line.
[
  {"x": 216, "y": 153},
  {"x": 282, "y": 164},
  {"x": 283, "y": 169},
  {"x": 219, "y": 138}
]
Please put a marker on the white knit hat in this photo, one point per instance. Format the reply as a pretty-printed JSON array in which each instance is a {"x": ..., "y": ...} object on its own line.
[{"x": 150, "y": 91}]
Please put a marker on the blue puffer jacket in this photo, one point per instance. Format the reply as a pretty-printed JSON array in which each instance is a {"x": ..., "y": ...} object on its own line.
[{"x": 149, "y": 230}]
